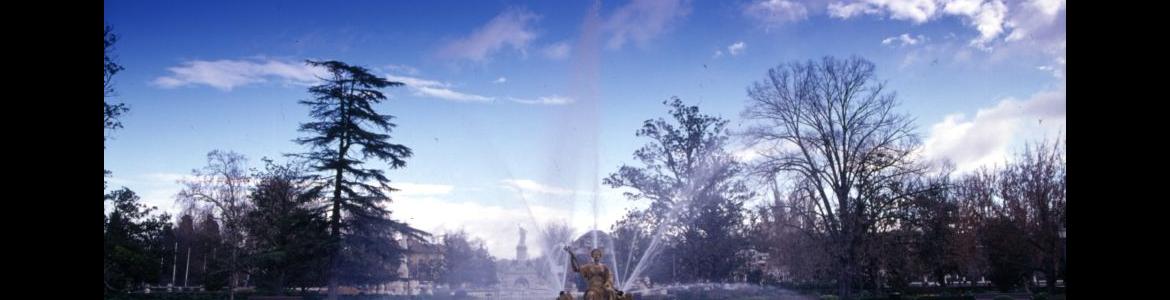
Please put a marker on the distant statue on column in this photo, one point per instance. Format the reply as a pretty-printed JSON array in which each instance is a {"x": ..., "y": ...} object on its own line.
[{"x": 521, "y": 248}]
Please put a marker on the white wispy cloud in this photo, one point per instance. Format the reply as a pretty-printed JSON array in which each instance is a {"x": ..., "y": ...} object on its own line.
[
  {"x": 448, "y": 94},
  {"x": 640, "y": 21},
  {"x": 996, "y": 21},
  {"x": 987, "y": 138},
  {"x": 229, "y": 74},
  {"x": 530, "y": 186},
  {"x": 718, "y": 53},
  {"x": 442, "y": 90},
  {"x": 511, "y": 28},
  {"x": 917, "y": 11},
  {"x": 1036, "y": 19},
  {"x": 545, "y": 100},
  {"x": 556, "y": 51},
  {"x": 774, "y": 13},
  {"x": 436, "y": 89},
  {"x": 904, "y": 39},
  {"x": 986, "y": 17},
  {"x": 736, "y": 49},
  {"x": 154, "y": 189}
]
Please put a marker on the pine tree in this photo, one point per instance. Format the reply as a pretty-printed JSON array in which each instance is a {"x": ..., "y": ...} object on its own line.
[{"x": 361, "y": 231}]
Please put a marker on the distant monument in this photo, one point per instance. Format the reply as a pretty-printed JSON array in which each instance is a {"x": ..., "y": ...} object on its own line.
[
  {"x": 521, "y": 249},
  {"x": 519, "y": 278}
]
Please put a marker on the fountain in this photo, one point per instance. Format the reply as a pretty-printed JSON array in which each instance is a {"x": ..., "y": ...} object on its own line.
[{"x": 578, "y": 123}]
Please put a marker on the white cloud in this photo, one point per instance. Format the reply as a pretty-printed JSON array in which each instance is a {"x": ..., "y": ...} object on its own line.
[
  {"x": 962, "y": 7},
  {"x": 448, "y": 94},
  {"x": 228, "y": 74},
  {"x": 736, "y": 49},
  {"x": 845, "y": 11},
  {"x": 987, "y": 17},
  {"x": 987, "y": 138},
  {"x": 511, "y": 28},
  {"x": 750, "y": 153},
  {"x": 904, "y": 39},
  {"x": 496, "y": 224},
  {"x": 435, "y": 89},
  {"x": 546, "y": 100},
  {"x": 414, "y": 81},
  {"x": 718, "y": 54},
  {"x": 530, "y": 186},
  {"x": 496, "y": 220},
  {"x": 747, "y": 153},
  {"x": 557, "y": 51},
  {"x": 995, "y": 20},
  {"x": 642, "y": 20},
  {"x": 154, "y": 189},
  {"x": 916, "y": 11},
  {"x": 772, "y": 13},
  {"x": 1037, "y": 20},
  {"x": 500, "y": 80}
]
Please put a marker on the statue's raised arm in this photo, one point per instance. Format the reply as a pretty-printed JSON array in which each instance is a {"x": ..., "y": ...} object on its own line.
[{"x": 572, "y": 259}]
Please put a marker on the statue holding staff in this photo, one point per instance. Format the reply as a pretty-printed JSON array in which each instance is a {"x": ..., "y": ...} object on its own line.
[{"x": 598, "y": 277}]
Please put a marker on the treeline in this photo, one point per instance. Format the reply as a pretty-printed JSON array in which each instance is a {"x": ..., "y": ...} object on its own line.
[
  {"x": 849, "y": 201},
  {"x": 318, "y": 219}
]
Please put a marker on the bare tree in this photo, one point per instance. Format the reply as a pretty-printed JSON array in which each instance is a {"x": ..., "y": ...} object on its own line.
[
  {"x": 836, "y": 133},
  {"x": 783, "y": 228},
  {"x": 1033, "y": 192},
  {"x": 115, "y": 110},
  {"x": 975, "y": 193},
  {"x": 221, "y": 188},
  {"x": 554, "y": 235}
]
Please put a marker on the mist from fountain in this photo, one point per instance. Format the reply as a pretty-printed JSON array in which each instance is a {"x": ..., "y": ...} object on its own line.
[
  {"x": 579, "y": 124},
  {"x": 681, "y": 201}
]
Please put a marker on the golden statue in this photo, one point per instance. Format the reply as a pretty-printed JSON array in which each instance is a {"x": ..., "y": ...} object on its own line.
[{"x": 598, "y": 278}]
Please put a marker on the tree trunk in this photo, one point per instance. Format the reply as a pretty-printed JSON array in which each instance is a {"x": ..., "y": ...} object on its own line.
[
  {"x": 1050, "y": 274},
  {"x": 844, "y": 284},
  {"x": 234, "y": 276},
  {"x": 335, "y": 231},
  {"x": 335, "y": 219}
]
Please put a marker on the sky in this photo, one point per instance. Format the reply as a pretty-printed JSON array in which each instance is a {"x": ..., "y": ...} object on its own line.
[{"x": 515, "y": 110}]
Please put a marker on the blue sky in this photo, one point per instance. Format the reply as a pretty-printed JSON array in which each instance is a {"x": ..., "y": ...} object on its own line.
[{"x": 514, "y": 106}]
